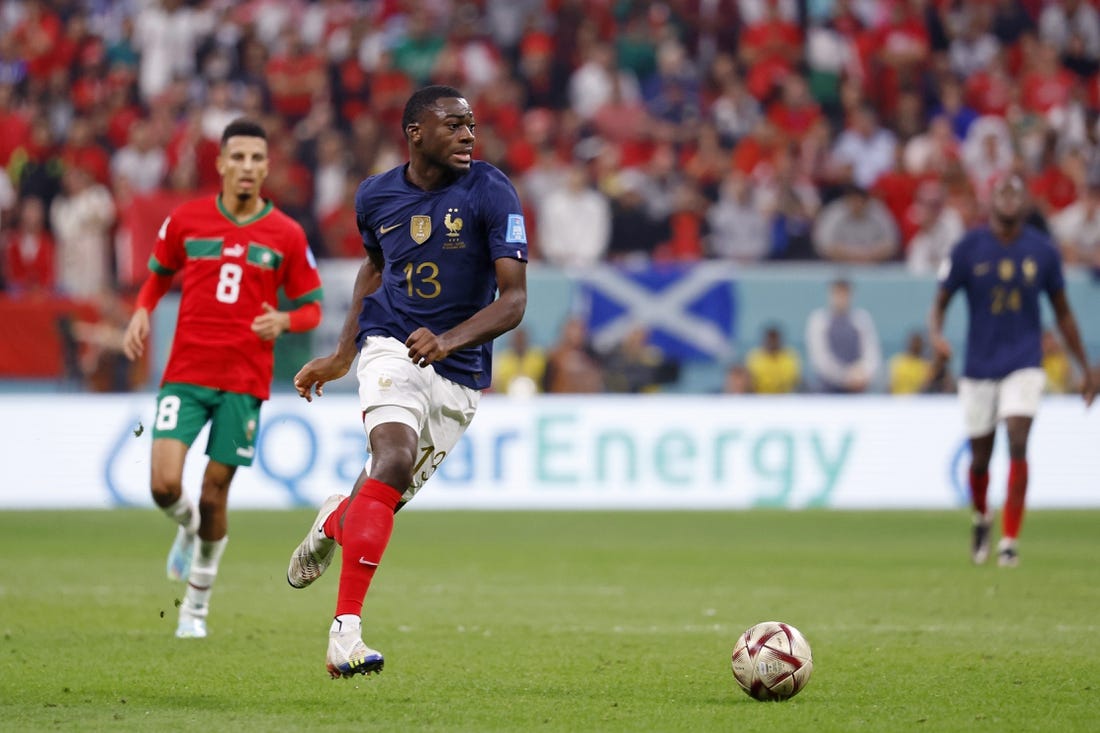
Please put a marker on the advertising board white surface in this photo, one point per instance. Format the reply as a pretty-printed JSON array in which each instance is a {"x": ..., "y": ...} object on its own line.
[{"x": 590, "y": 452}]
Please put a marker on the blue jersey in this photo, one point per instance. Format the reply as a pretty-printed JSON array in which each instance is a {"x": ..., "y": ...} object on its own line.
[
  {"x": 1003, "y": 283},
  {"x": 439, "y": 249}
]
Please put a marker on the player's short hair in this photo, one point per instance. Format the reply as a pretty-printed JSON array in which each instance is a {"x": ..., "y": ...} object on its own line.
[
  {"x": 242, "y": 127},
  {"x": 424, "y": 98}
]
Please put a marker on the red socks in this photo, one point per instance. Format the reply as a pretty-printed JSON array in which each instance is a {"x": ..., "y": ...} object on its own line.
[
  {"x": 368, "y": 524},
  {"x": 1014, "y": 503},
  {"x": 979, "y": 483},
  {"x": 334, "y": 527}
]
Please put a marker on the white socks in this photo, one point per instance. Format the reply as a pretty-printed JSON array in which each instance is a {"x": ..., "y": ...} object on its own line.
[
  {"x": 183, "y": 513},
  {"x": 204, "y": 569},
  {"x": 345, "y": 623}
]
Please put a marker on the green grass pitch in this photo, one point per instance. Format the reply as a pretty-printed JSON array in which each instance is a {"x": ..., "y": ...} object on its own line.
[{"x": 544, "y": 621}]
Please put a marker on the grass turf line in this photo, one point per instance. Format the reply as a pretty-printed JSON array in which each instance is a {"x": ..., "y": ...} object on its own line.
[{"x": 512, "y": 621}]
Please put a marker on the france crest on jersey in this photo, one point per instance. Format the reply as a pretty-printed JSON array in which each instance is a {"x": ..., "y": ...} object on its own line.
[
  {"x": 439, "y": 249},
  {"x": 1003, "y": 283}
]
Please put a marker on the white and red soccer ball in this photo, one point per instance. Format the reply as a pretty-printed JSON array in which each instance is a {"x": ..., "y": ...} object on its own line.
[{"x": 772, "y": 661}]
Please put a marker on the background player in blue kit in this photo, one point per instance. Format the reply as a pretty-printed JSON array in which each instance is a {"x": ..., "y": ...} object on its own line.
[
  {"x": 442, "y": 234},
  {"x": 1003, "y": 268}
]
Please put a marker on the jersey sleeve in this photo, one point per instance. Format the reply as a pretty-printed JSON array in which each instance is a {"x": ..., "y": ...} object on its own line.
[
  {"x": 1055, "y": 278},
  {"x": 505, "y": 229},
  {"x": 953, "y": 271},
  {"x": 169, "y": 254},
  {"x": 301, "y": 281},
  {"x": 362, "y": 215}
]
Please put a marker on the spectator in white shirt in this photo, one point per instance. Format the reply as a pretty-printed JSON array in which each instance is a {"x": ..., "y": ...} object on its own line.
[
  {"x": 864, "y": 151},
  {"x": 574, "y": 223},
  {"x": 590, "y": 86},
  {"x": 842, "y": 344},
  {"x": 855, "y": 228},
  {"x": 1076, "y": 228},
  {"x": 739, "y": 230},
  {"x": 941, "y": 227},
  {"x": 1061, "y": 18},
  {"x": 142, "y": 163},
  {"x": 81, "y": 218}
]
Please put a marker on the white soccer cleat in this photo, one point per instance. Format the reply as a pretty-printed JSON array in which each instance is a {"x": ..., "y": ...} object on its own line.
[
  {"x": 179, "y": 557},
  {"x": 314, "y": 554},
  {"x": 190, "y": 626},
  {"x": 1007, "y": 554},
  {"x": 348, "y": 655}
]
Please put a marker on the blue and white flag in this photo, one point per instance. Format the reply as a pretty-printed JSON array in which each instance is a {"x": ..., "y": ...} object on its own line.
[{"x": 689, "y": 310}]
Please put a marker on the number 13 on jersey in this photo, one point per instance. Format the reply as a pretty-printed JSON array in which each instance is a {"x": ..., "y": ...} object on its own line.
[{"x": 421, "y": 280}]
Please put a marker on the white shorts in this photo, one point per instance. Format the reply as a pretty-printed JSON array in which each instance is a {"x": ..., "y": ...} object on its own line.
[
  {"x": 987, "y": 401},
  {"x": 394, "y": 389}
]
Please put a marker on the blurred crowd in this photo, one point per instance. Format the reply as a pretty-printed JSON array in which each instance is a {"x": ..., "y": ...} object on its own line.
[
  {"x": 842, "y": 354},
  {"x": 855, "y": 131}
]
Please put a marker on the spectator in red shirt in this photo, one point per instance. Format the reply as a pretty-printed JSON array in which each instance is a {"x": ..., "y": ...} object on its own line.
[
  {"x": 897, "y": 188},
  {"x": 289, "y": 183},
  {"x": 1061, "y": 174},
  {"x": 29, "y": 251},
  {"x": 295, "y": 75},
  {"x": 1045, "y": 84},
  {"x": 389, "y": 88},
  {"x": 82, "y": 150},
  {"x": 757, "y": 146},
  {"x": 795, "y": 112},
  {"x": 625, "y": 122},
  {"x": 352, "y": 79},
  {"x": 990, "y": 91},
  {"x": 339, "y": 232},
  {"x": 902, "y": 53},
  {"x": 36, "y": 39},
  {"x": 191, "y": 154},
  {"x": 535, "y": 134},
  {"x": 706, "y": 160},
  {"x": 770, "y": 49},
  {"x": 15, "y": 124}
]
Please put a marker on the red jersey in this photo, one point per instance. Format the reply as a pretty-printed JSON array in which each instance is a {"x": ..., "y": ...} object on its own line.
[{"x": 230, "y": 270}]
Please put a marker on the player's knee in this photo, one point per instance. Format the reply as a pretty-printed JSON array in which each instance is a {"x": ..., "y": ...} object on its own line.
[
  {"x": 979, "y": 460},
  {"x": 393, "y": 468},
  {"x": 211, "y": 504},
  {"x": 165, "y": 488},
  {"x": 215, "y": 492}
]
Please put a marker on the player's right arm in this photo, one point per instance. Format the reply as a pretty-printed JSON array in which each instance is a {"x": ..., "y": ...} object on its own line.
[
  {"x": 166, "y": 259},
  {"x": 952, "y": 271},
  {"x": 137, "y": 330},
  {"x": 941, "y": 347},
  {"x": 313, "y": 376}
]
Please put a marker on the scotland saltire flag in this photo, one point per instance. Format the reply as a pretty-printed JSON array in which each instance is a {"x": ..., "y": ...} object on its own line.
[{"x": 689, "y": 310}]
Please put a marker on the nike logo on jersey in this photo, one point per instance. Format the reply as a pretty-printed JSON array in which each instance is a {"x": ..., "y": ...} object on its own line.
[
  {"x": 384, "y": 229},
  {"x": 365, "y": 561},
  {"x": 981, "y": 269},
  {"x": 235, "y": 251}
]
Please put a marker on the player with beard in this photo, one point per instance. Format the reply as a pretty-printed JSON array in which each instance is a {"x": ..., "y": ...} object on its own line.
[
  {"x": 1003, "y": 268},
  {"x": 443, "y": 234},
  {"x": 234, "y": 250}
]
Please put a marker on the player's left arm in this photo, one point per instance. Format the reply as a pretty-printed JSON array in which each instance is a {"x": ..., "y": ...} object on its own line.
[
  {"x": 500, "y": 316},
  {"x": 273, "y": 322},
  {"x": 1067, "y": 324},
  {"x": 302, "y": 285}
]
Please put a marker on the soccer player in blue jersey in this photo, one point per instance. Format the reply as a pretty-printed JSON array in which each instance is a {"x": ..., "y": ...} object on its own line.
[
  {"x": 1003, "y": 268},
  {"x": 443, "y": 234}
]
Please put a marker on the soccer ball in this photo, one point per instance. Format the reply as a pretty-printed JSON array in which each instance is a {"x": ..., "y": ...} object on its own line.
[{"x": 772, "y": 661}]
